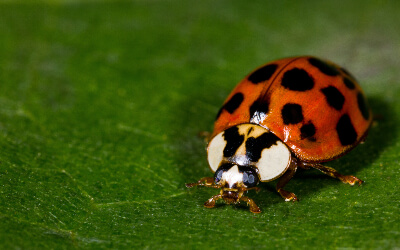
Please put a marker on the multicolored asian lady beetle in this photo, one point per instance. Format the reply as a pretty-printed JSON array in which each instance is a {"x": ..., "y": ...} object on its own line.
[{"x": 290, "y": 113}]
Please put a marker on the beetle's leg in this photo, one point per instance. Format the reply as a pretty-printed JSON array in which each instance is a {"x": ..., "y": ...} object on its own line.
[
  {"x": 205, "y": 135},
  {"x": 206, "y": 181},
  {"x": 253, "y": 188},
  {"x": 253, "y": 206},
  {"x": 288, "y": 196},
  {"x": 210, "y": 203},
  {"x": 335, "y": 174}
]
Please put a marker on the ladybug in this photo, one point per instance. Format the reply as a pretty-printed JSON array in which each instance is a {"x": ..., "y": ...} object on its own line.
[{"x": 292, "y": 113}]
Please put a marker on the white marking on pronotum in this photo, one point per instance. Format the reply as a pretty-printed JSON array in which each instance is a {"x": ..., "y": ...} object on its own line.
[
  {"x": 216, "y": 151},
  {"x": 232, "y": 176},
  {"x": 274, "y": 161}
]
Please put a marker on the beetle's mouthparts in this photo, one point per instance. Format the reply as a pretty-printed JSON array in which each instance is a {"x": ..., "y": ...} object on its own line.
[{"x": 230, "y": 196}]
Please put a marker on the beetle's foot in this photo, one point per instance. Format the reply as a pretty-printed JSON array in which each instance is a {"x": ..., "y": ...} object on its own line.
[
  {"x": 253, "y": 206},
  {"x": 210, "y": 203},
  {"x": 352, "y": 180},
  {"x": 255, "y": 209},
  {"x": 288, "y": 196},
  {"x": 205, "y": 135}
]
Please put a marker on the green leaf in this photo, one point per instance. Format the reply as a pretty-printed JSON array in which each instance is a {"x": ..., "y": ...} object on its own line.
[{"x": 101, "y": 103}]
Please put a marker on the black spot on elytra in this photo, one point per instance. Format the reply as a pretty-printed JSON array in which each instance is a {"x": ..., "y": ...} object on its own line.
[
  {"x": 324, "y": 67},
  {"x": 250, "y": 130},
  {"x": 292, "y": 113},
  {"x": 308, "y": 131},
  {"x": 348, "y": 82},
  {"x": 254, "y": 146},
  {"x": 346, "y": 132},
  {"x": 297, "y": 80},
  {"x": 232, "y": 104},
  {"x": 233, "y": 141},
  {"x": 259, "y": 108},
  {"x": 263, "y": 74},
  {"x": 362, "y": 105},
  {"x": 333, "y": 96}
]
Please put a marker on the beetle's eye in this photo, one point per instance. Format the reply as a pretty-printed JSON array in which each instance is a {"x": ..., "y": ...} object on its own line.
[
  {"x": 223, "y": 168},
  {"x": 218, "y": 175},
  {"x": 250, "y": 178}
]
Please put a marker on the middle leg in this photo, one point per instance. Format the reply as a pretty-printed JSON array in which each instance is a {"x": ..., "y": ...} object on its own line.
[{"x": 288, "y": 196}]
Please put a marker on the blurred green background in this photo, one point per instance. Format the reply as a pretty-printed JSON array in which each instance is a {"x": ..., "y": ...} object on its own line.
[{"x": 101, "y": 103}]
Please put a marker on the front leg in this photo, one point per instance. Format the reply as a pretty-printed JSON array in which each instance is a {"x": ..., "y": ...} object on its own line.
[
  {"x": 335, "y": 174},
  {"x": 206, "y": 181},
  {"x": 253, "y": 206},
  {"x": 210, "y": 203}
]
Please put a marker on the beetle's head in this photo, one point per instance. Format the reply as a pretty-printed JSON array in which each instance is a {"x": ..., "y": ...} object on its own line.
[{"x": 234, "y": 180}]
